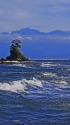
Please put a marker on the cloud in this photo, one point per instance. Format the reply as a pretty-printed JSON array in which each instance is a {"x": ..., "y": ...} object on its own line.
[{"x": 44, "y": 15}]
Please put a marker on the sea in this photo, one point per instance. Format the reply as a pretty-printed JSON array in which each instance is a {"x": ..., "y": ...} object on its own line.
[{"x": 35, "y": 93}]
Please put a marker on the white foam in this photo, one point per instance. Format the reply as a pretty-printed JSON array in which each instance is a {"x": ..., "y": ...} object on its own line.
[
  {"x": 20, "y": 85},
  {"x": 59, "y": 82},
  {"x": 13, "y": 87},
  {"x": 48, "y": 64},
  {"x": 63, "y": 82},
  {"x": 45, "y": 65},
  {"x": 34, "y": 82},
  {"x": 49, "y": 74},
  {"x": 21, "y": 65}
]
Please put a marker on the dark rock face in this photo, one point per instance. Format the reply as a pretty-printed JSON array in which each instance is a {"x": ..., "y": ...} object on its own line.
[
  {"x": 16, "y": 55},
  {"x": 22, "y": 58}
]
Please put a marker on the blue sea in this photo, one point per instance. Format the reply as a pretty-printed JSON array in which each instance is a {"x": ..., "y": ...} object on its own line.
[{"x": 35, "y": 93}]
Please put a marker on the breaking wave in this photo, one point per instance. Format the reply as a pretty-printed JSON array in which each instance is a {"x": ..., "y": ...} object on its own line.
[
  {"x": 47, "y": 74},
  {"x": 21, "y": 65},
  {"x": 13, "y": 87},
  {"x": 20, "y": 85},
  {"x": 24, "y": 85},
  {"x": 48, "y": 64}
]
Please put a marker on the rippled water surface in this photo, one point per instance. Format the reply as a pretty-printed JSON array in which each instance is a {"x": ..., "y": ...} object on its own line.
[{"x": 35, "y": 93}]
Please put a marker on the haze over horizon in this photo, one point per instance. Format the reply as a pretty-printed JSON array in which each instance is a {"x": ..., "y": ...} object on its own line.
[{"x": 43, "y": 15}]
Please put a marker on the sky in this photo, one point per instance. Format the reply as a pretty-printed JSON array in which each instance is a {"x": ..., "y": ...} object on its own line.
[{"x": 44, "y": 15}]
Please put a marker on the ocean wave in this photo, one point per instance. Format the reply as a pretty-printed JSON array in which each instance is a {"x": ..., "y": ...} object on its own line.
[
  {"x": 13, "y": 86},
  {"x": 33, "y": 81},
  {"x": 20, "y": 85},
  {"x": 48, "y": 64},
  {"x": 24, "y": 65},
  {"x": 59, "y": 82},
  {"x": 45, "y": 65},
  {"x": 49, "y": 74},
  {"x": 20, "y": 65}
]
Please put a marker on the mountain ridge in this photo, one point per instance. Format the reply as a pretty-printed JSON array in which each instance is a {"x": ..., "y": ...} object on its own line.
[{"x": 30, "y": 31}]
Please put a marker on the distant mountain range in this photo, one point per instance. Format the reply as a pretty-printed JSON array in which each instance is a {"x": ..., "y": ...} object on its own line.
[
  {"x": 36, "y": 44},
  {"x": 29, "y": 31}
]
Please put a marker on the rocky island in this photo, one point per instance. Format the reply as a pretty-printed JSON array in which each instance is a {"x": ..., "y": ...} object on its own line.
[{"x": 15, "y": 54}]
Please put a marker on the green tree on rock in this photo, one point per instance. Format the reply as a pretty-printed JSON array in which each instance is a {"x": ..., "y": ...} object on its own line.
[
  {"x": 15, "y": 54},
  {"x": 16, "y": 43}
]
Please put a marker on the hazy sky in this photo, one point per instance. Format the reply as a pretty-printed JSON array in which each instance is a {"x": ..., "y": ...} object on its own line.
[{"x": 45, "y": 15}]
